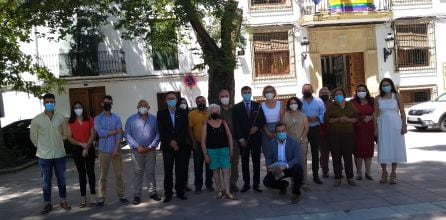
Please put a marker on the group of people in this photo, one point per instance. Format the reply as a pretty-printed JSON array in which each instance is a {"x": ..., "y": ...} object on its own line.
[{"x": 219, "y": 136}]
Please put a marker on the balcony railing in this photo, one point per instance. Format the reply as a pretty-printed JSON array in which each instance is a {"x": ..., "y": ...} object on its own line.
[
  {"x": 411, "y": 2},
  {"x": 85, "y": 63},
  {"x": 341, "y": 6}
]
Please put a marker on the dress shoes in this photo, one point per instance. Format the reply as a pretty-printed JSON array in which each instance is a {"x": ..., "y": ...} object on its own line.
[
  {"x": 317, "y": 180},
  {"x": 245, "y": 188}
]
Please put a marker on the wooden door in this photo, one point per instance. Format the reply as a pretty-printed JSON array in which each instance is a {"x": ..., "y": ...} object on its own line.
[
  {"x": 91, "y": 98},
  {"x": 355, "y": 72},
  {"x": 96, "y": 95}
]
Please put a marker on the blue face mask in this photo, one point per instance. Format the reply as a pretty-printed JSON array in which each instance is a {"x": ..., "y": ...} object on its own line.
[
  {"x": 171, "y": 103},
  {"x": 386, "y": 89},
  {"x": 49, "y": 107},
  {"x": 339, "y": 99},
  {"x": 281, "y": 136},
  {"x": 246, "y": 97}
]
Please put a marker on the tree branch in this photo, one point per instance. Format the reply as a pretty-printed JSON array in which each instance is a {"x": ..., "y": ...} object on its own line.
[{"x": 206, "y": 40}]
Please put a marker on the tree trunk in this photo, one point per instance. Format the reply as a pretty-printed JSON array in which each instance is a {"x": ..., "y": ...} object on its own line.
[{"x": 220, "y": 78}]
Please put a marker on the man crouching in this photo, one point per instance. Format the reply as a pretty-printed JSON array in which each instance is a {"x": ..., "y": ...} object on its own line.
[{"x": 282, "y": 161}]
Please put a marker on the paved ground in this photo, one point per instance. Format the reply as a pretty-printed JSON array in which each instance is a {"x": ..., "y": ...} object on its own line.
[{"x": 419, "y": 194}]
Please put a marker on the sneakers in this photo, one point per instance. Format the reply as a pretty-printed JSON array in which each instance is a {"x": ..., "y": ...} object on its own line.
[
  {"x": 124, "y": 200},
  {"x": 46, "y": 209}
]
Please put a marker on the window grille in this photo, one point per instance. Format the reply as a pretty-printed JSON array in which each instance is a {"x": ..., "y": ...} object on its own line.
[
  {"x": 411, "y": 2},
  {"x": 271, "y": 54},
  {"x": 270, "y": 5},
  {"x": 415, "y": 45}
]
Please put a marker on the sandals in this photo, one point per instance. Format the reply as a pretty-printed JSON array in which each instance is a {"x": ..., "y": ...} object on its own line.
[
  {"x": 392, "y": 178},
  {"x": 383, "y": 178},
  {"x": 220, "y": 195},
  {"x": 230, "y": 197}
]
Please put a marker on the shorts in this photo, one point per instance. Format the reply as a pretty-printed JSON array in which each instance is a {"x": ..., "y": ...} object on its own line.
[{"x": 220, "y": 158}]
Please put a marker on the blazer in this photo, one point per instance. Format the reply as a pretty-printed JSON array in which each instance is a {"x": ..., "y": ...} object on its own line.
[
  {"x": 292, "y": 152},
  {"x": 242, "y": 122},
  {"x": 168, "y": 132}
]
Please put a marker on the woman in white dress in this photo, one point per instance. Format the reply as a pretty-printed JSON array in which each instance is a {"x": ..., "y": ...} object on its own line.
[{"x": 390, "y": 120}]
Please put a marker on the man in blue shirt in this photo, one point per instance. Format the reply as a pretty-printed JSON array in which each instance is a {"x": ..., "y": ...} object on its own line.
[
  {"x": 314, "y": 109},
  {"x": 109, "y": 129},
  {"x": 141, "y": 132}
]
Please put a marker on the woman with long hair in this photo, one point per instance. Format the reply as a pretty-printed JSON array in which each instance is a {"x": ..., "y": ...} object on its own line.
[
  {"x": 81, "y": 134},
  {"x": 390, "y": 119}
]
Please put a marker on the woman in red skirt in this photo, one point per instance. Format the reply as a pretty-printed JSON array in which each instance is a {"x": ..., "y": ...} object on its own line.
[{"x": 364, "y": 131}]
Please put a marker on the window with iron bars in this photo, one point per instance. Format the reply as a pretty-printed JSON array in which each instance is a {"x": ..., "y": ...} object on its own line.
[
  {"x": 415, "y": 46},
  {"x": 411, "y": 2},
  {"x": 271, "y": 54},
  {"x": 270, "y": 5}
]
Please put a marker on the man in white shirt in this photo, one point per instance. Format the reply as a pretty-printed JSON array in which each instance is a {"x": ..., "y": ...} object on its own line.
[{"x": 282, "y": 160}]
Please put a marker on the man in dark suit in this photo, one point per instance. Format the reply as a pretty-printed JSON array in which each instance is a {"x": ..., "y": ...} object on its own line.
[
  {"x": 282, "y": 161},
  {"x": 172, "y": 126},
  {"x": 248, "y": 119}
]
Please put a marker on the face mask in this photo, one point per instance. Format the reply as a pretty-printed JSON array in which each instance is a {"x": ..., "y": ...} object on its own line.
[
  {"x": 339, "y": 99},
  {"x": 386, "y": 89},
  {"x": 307, "y": 94},
  {"x": 171, "y": 103},
  {"x": 49, "y": 107},
  {"x": 293, "y": 107},
  {"x": 247, "y": 97},
  {"x": 201, "y": 106},
  {"x": 215, "y": 116},
  {"x": 281, "y": 136},
  {"x": 361, "y": 95},
  {"x": 324, "y": 97},
  {"x": 78, "y": 111},
  {"x": 224, "y": 101},
  {"x": 143, "y": 110},
  {"x": 183, "y": 106},
  {"x": 269, "y": 95},
  {"x": 107, "y": 107}
]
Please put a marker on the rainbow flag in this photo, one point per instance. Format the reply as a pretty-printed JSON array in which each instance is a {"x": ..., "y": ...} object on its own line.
[{"x": 351, "y": 5}]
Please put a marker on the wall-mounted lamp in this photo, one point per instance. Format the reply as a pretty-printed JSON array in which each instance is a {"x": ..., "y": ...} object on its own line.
[
  {"x": 305, "y": 47},
  {"x": 390, "y": 44}
]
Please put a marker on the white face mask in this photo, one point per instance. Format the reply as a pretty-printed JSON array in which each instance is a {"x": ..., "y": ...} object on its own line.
[
  {"x": 293, "y": 107},
  {"x": 78, "y": 111},
  {"x": 183, "y": 106},
  {"x": 362, "y": 95},
  {"x": 224, "y": 101},
  {"x": 143, "y": 110},
  {"x": 269, "y": 95}
]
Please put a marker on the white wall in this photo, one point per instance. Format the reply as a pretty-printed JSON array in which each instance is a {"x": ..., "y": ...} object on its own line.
[{"x": 440, "y": 35}]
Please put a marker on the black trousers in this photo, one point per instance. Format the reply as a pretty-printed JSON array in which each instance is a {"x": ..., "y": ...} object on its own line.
[
  {"x": 342, "y": 148},
  {"x": 314, "y": 139},
  {"x": 253, "y": 148},
  {"x": 173, "y": 158},
  {"x": 295, "y": 172},
  {"x": 85, "y": 167},
  {"x": 198, "y": 169}
]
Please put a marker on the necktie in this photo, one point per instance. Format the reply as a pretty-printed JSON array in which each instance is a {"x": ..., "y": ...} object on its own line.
[{"x": 248, "y": 110}]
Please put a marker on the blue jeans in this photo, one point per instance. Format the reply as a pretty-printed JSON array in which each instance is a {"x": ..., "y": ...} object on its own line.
[{"x": 46, "y": 171}]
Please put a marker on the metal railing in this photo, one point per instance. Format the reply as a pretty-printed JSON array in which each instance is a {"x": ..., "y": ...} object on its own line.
[
  {"x": 85, "y": 63},
  {"x": 270, "y": 5},
  {"x": 329, "y": 6},
  {"x": 411, "y": 2}
]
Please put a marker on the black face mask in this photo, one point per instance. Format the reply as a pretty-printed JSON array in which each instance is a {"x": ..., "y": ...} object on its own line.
[
  {"x": 215, "y": 116},
  {"x": 107, "y": 107},
  {"x": 201, "y": 106},
  {"x": 324, "y": 97},
  {"x": 307, "y": 94}
]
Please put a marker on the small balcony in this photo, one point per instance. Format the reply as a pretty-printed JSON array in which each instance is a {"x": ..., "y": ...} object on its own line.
[
  {"x": 78, "y": 64},
  {"x": 411, "y": 2},
  {"x": 329, "y": 12}
]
